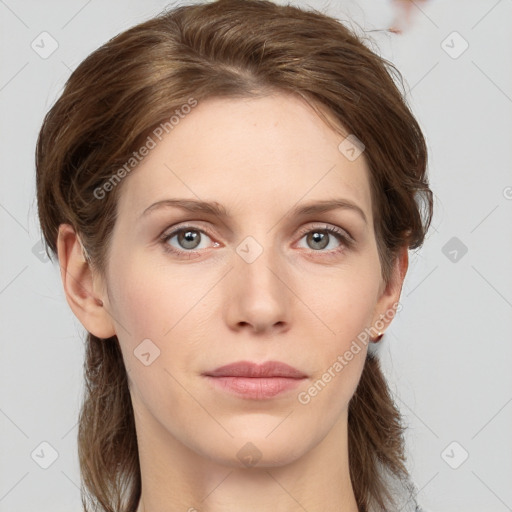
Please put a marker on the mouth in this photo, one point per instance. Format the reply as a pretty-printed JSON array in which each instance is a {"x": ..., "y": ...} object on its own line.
[
  {"x": 269, "y": 369},
  {"x": 255, "y": 381}
]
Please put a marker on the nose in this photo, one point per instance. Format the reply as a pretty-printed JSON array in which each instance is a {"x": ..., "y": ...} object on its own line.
[{"x": 258, "y": 296}]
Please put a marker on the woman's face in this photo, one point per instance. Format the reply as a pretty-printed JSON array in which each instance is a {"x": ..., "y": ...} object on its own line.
[{"x": 261, "y": 283}]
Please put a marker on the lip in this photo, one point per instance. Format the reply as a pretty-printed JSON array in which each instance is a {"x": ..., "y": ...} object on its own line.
[
  {"x": 255, "y": 381},
  {"x": 255, "y": 370}
]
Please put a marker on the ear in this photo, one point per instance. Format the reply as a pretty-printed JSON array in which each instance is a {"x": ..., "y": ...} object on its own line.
[
  {"x": 84, "y": 289},
  {"x": 386, "y": 306}
]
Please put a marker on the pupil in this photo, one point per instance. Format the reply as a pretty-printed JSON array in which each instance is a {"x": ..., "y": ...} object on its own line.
[
  {"x": 321, "y": 238},
  {"x": 189, "y": 239}
]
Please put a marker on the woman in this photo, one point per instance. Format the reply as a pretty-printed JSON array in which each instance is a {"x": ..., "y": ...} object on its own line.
[{"x": 231, "y": 189}]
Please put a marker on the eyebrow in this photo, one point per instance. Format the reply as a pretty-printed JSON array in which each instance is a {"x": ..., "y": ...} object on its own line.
[{"x": 216, "y": 209}]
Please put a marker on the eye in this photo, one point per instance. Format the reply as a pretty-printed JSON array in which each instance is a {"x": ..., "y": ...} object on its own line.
[
  {"x": 191, "y": 240},
  {"x": 321, "y": 237},
  {"x": 188, "y": 239}
]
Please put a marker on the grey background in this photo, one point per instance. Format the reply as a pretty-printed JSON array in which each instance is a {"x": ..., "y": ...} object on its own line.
[{"x": 447, "y": 354}]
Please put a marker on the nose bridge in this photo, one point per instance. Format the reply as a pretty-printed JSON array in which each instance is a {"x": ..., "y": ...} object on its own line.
[
  {"x": 258, "y": 294},
  {"x": 258, "y": 260}
]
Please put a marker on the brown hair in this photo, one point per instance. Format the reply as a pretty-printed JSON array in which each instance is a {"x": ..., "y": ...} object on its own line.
[{"x": 228, "y": 48}]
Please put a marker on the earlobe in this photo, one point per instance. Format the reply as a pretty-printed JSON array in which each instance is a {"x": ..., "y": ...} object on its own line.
[{"x": 79, "y": 284}]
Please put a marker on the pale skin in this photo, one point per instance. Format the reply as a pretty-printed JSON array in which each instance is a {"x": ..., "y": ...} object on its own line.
[{"x": 298, "y": 302}]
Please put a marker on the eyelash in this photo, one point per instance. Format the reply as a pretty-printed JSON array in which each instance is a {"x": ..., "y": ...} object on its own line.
[{"x": 346, "y": 241}]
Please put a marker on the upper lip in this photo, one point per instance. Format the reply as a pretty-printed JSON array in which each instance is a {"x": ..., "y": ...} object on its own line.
[{"x": 255, "y": 370}]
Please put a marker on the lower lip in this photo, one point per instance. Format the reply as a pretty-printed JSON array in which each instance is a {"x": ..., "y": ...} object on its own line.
[{"x": 256, "y": 388}]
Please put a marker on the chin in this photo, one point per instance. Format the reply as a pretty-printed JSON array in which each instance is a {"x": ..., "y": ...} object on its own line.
[{"x": 258, "y": 448}]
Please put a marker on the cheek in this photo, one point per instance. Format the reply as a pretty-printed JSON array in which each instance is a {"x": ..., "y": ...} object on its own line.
[
  {"x": 343, "y": 302},
  {"x": 150, "y": 307},
  {"x": 341, "y": 352},
  {"x": 148, "y": 300},
  {"x": 156, "y": 309}
]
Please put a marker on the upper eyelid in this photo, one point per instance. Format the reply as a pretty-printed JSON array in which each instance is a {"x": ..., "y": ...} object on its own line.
[
  {"x": 326, "y": 226},
  {"x": 180, "y": 227}
]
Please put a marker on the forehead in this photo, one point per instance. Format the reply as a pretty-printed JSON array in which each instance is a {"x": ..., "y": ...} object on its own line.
[{"x": 245, "y": 153}]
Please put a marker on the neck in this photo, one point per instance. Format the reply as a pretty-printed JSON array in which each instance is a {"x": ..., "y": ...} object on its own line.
[{"x": 176, "y": 479}]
